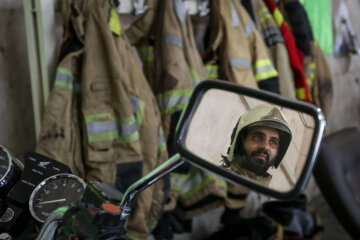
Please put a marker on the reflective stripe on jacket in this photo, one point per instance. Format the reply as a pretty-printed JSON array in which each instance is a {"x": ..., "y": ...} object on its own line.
[
  {"x": 198, "y": 191},
  {"x": 276, "y": 48}
]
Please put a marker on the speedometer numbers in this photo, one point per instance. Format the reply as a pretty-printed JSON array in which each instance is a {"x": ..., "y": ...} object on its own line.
[{"x": 54, "y": 192}]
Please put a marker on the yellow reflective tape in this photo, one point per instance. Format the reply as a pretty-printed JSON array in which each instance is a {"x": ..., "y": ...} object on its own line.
[
  {"x": 99, "y": 117},
  {"x": 161, "y": 141},
  {"x": 222, "y": 183},
  {"x": 162, "y": 148},
  {"x": 139, "y": 115},
  {"x": 127, "y": 139},
  {"x": 264, "y": 18},
  {"x": 173, "y": 101},
  {"x": 263, "y": 14},
  {"x": 146, "y": 53},
  {"x": 264, "y": 70},
  {"x": 151, "y": 225},
  {"x": 184, "y": 177},
  {"x": 197, "y": 187},
  {"x": 211, "y": 67},
  {"x": 214, "y": 76},
  {"x": 264, "y": 10},
  {"x": 300, "y": 93},
  {"x": 279, "y": 19},
  {"x": 212, "y": 71},
  {"x": 65, "y": 72},
  {"x": 172, "y": 93},
  {"x": 309, "y": 82},
  {"x": 262, "y": 62},
  {"x": 194, "y": 75},
  {"x": 266, "y": 75},
  {"x": 114, "y": 22},
  {"x": 106, "y": 136}
]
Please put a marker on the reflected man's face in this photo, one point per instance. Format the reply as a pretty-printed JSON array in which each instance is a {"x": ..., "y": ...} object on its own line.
[{"x": 261, "y": 146}]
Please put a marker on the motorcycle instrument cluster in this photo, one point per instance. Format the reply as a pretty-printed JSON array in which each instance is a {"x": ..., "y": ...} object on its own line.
[
  {"x": 18, "y": 181},
  {"x": 10, "y": 170},
  {"x": 54, "y": 192}
]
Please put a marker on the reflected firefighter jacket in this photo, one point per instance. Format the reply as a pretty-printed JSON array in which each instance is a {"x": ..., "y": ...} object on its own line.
[
  {"x": 296, "y": 56},
  {"x": 118, "y": 116},
  {"x": 276, "y": 47}
]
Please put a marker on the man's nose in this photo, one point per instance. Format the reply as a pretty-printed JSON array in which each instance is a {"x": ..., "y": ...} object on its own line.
[{"x": 266, "y": 146}]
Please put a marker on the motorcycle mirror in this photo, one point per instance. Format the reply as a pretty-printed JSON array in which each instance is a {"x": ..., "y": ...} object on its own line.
[{"x": 263, "y": 141}]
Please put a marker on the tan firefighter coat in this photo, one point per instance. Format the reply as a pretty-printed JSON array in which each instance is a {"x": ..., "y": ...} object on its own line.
[
  {"x": 170, "y": 47},
  {"x": 122, "y": 138}
]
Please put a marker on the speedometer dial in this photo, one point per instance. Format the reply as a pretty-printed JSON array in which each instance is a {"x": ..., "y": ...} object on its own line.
[
  {"x": 54, "y": 192},
  {"x": 10, "y": 170}
]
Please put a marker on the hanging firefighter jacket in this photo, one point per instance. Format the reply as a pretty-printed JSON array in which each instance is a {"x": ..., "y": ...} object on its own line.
[
  {"x": 276, "y": 47},
  {"x": 296, "y": 56},
  {"x": 178, "y": 69},
  {"x": 120, "y": 127},
  {"x": 173, "y": 67},
  {"x": 178, "y": 66},
  {"x": 241, "y": 62},
  {"x": 60, "y": 135},
  {"x": 247, "y": 63},
  {"x": 322, "y": 87},
  {"x": 316, "y": 68},
  {"x": 141, "y": 35},
  {"x": 173, "y": 46},
  {"x": 226, "y": 59}
]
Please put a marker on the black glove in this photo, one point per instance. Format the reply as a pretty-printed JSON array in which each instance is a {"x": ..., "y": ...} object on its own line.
[
  {"x": 257, "y": 228},
  {"x": 293, "y": 215}
]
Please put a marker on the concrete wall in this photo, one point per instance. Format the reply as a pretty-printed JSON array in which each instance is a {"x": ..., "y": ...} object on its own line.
[
  {"x": 345, "y": 71},
  {"x": 16, "y": 121}
]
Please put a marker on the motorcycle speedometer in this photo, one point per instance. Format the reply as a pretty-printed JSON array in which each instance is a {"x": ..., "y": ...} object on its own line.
[
  {"x": 54, "y": 192},
  {"x": 10, "y": 170}
]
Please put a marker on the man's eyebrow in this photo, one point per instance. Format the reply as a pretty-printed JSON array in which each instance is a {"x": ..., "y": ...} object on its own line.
[
  {"x": 263, "y": 134},
  {"x": 256, "y": 132}
]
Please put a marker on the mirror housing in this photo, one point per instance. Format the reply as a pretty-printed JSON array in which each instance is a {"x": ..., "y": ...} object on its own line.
[{"x": 184, "y": 132}]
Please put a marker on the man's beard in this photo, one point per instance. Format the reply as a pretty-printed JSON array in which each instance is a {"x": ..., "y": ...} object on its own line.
[{"x": 254, "y": 164}]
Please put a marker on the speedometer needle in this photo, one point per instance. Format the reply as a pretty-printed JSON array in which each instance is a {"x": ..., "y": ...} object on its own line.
[{"x": 53, "y": 201}]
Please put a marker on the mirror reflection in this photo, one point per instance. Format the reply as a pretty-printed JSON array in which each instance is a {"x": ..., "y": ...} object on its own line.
[{"x": 260, "y": 141}]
